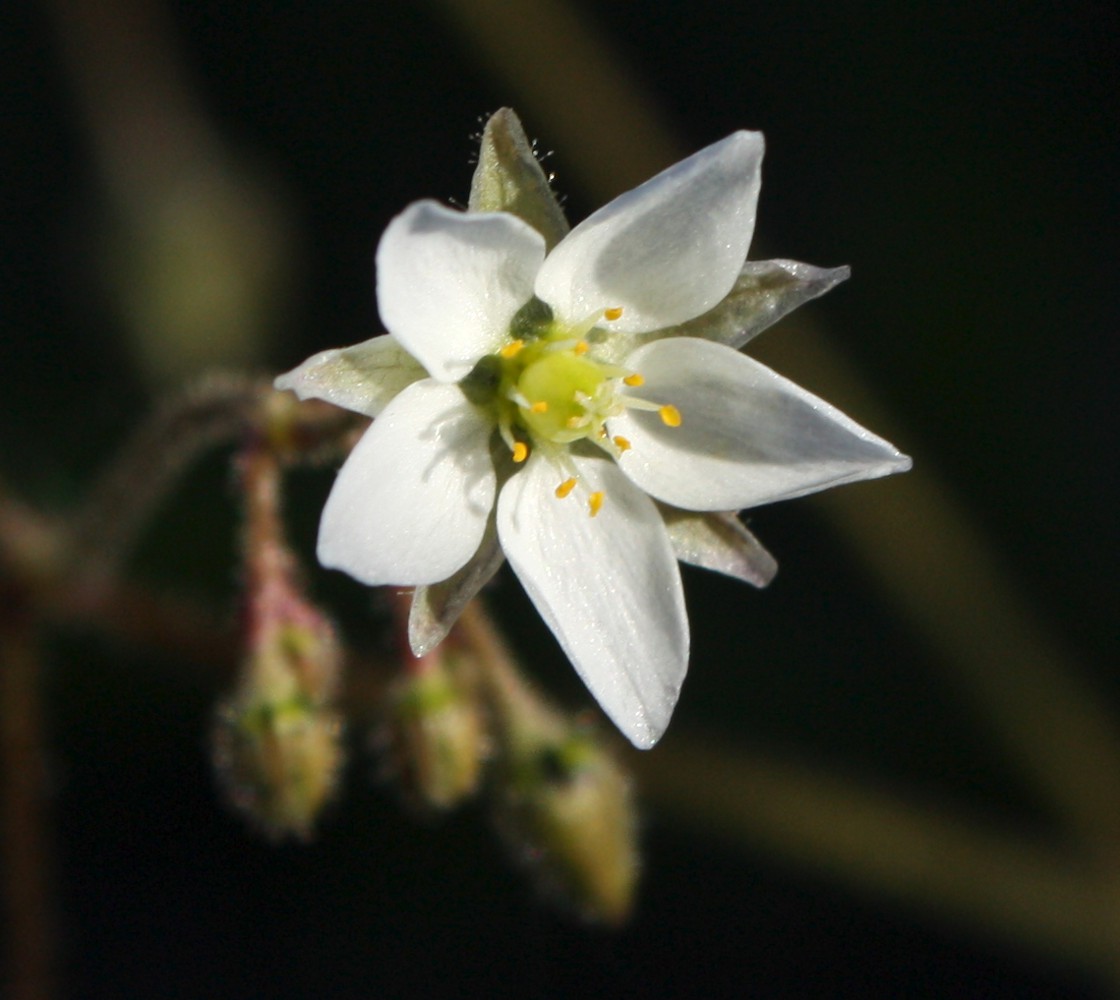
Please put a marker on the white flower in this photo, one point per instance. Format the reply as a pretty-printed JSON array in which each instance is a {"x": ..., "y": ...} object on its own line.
[{"x": 608, "y": 369}]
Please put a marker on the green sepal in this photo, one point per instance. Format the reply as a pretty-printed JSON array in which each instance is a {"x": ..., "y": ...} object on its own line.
[
  {"x": 509, "y": 178},
  {"x": 764, "y": 292},
  {"x": 719, "y": 542},
  {"x": 363, "y": 378},
  {"x": 437, "y": 606}
]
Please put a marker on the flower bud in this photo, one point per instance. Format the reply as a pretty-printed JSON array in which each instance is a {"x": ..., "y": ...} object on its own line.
[
  {"x": 568, "y": 808},
  {"x": 277, "y": 741},
  {"x": 437, "y": 732},
  {"x": 564, "y": 803}
]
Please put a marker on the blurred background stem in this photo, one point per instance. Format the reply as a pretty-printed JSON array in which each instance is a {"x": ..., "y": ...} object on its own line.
[
  {"x": 879, "y": 841},
  {"x": 193, "y": 243},
  {"x": 30, "y": 948}
]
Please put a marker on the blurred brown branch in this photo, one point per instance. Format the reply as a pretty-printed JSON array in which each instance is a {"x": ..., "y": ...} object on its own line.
[
  {"x": 29, "y": 965},
  {"x": 66, "y": 572}
]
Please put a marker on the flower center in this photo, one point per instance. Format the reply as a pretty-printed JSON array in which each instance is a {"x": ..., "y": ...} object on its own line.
[
  {"x": 566, "y": 395},
  {"x": 546, "y": 391}
]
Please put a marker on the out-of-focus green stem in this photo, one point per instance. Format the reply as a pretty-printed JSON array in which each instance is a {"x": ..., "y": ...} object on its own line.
[
  {"x": 943, "y": 575},
  {"x": 193, "y": 242},
  {"x": 572, "y": 88},
  {"x": 923, "y": 856}
]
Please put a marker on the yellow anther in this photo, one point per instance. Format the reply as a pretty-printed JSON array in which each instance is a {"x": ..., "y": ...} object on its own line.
[
  {"x": 512, "y": 349},
  {"x": 540, "y": 406},
  {"x": 634, "y": 380},
  {"x": 520, "y": 451},
  {"x": 581, "y": 348},
  {"x": 670, "y": 415},
  {"x": 621, "y": 443},
  {"x": 565, "y": 488},
  {"x": 612, "y": 314},
  {"x": 573, "y": 422},
  {"x": 595, "y": 502}
]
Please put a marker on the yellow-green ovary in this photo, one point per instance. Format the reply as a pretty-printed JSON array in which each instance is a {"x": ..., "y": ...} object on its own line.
[{"x": 555, "y": 380}]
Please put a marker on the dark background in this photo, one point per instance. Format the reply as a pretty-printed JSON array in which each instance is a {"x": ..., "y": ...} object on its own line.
[{"x": 961, "y": 157}]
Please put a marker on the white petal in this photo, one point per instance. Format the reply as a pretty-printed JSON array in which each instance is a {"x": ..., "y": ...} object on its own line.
[
  {"x": 747, "y": 435},
  {"x": 362, "y": 378},
  {"x": 448, "y": 283},
  {"x": 608, "y": 587},
  {"x": 410, "y": 504},
  {"x": 666, "y": 251}
]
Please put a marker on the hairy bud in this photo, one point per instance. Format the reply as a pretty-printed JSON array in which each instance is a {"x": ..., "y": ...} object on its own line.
[{"x": 437, "y": 731}]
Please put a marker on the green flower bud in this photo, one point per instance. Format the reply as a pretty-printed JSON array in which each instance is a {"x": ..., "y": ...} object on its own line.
[
  {"x": 278, "y": 758},
  {"x": 568, "y": 809},
  {"x": 437, "y": 732}
]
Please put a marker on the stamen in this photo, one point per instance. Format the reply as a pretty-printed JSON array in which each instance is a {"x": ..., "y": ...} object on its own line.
[
  {"x": 520, "y": 451},
  {"x": 621, "y": 443},
  {"x": 637, "y": 403},
  {"x": 557, "y": 346},
  {"x": 634, "y": 380},
  {"x": 595, "y": 502},
  {"x": 512, "y": 349},
  {"x": 565, "y": 488},
  {"x": 506, "y": 431},
  {"x": 541, "y": 406},
  {"x": 581, "y": 348},
  {"x": 612, "y": 314},
  {"x": 586, "y": 325},
  {"x": 670, "y": 415}
]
